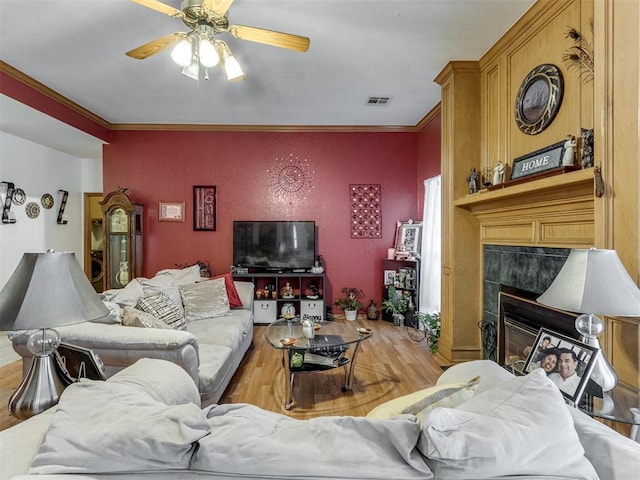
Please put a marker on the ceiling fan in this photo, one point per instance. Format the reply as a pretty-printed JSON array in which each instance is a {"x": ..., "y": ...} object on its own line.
[{"x": 199, "y": 46}]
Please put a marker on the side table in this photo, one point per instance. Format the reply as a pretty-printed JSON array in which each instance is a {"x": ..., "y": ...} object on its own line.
[{"x": 621, "y": 405}]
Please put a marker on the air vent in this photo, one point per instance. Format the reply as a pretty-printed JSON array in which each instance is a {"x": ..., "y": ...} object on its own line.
[{"x": 378, "y": 100}]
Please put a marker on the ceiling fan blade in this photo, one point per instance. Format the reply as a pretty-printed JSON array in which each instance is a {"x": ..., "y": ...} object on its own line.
[
  {"x": 156, "y": 46},
  {"x": 270, "y": 37},
  {"x": 160, "y": 7},
  {"x": 218, "y": 6}
]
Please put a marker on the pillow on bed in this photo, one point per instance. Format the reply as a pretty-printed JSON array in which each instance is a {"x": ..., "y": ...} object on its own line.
[
  {"x": 205, "y": 299},
  {"x": 521, "y": 427},
  {"x": 423, "y": 401}
]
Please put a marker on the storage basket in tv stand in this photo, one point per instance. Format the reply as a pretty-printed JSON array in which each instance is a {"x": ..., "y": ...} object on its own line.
[{"x": 266, "y": 309}]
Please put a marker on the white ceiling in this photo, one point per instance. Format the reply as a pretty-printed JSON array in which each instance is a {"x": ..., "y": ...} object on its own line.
[{"x": 359, "y": 48}]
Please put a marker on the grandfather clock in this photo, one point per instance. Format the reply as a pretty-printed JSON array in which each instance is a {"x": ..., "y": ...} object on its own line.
[{"x": 122, "y": 239}]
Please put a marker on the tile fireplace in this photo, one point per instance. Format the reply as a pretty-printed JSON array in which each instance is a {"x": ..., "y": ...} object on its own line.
[{"x": 523, "y": 271}]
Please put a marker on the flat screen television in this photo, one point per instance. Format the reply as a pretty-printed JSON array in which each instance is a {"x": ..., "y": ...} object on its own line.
[{"x": 274, "y": 245}]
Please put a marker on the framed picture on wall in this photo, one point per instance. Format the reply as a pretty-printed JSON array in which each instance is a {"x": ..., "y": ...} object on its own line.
[
  {"x": 171, "y": 211},
  {"x": 567, "y": 362},
  {"x": 408, "y": 238},
  {"x": 204, "y": 208}
]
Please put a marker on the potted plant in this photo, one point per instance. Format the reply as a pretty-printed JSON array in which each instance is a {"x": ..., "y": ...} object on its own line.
[
  {"x": 396, "y": 304},
  {"x": 351, "y": 302},
  {"x": 431, "y": 322}
]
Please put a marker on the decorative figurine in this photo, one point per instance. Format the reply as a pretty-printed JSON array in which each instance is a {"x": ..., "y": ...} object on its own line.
[
  {"x": 498, "y": 173},
  {"x": 372, "y": 311},
  {"x": 568, "y": 159},
  {"x": 287, "y": 291},
  {"x": 587, "y": 147},
  {"x": 473, "y": 181},
  {"x": 486, "y": 177}
]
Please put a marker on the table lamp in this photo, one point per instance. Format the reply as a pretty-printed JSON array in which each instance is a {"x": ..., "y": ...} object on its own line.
[
  {"x": 47, "y": 290},
  {"x": 593, "y": 280}
]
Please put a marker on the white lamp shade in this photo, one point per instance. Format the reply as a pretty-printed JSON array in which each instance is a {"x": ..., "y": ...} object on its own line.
[
  {"x": 233, "y": 69},
  {"x": 181, "y": 53},
  {"x": 594, "y": 281},
  {"x": 48, "y": 290},
  {"x": 207, "y": 53}
]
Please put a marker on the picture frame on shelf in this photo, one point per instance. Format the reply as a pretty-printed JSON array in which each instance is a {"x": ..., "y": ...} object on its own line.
[
  {"x": 574, "y": 361},
  {"x": 408, "y": 239},
  {"x": 171, "y": 212},
  {"x": 204, "y": 208},
  {"x": 76, "y": 362},
  {"x": 389, "y": 277}
]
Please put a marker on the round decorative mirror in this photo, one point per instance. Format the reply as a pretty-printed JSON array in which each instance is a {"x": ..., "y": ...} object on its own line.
[{"x": 539, "y": 99}]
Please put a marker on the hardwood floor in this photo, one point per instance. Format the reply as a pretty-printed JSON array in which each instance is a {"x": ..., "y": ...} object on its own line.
[{"x": 389, "y": 365}]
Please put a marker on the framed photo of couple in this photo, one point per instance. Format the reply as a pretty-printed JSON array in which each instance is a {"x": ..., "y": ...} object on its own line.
[{"x": 567, "y": 362}]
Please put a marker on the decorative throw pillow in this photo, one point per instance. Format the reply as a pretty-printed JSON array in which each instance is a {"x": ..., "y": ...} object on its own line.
[
  {"x": 232, "y": 292},
  {"x": 205, "y": 299},
  {"x": 164, "y": 284},
  {"x": 124, "y": 296},
  {"x": 132, "y": 317},
  {"x": 521, "y": 427},
  {"x": 113, "y": 317},
  {"x": 423, "y": 401},
  {"x": 182, "y": 276},
  {"x": 161, "y": 306}
]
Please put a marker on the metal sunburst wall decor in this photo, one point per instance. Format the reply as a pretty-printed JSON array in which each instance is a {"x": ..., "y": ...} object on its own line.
[
  {"x": 366, "y": 211},
  {"x": 291, "y": 177}
]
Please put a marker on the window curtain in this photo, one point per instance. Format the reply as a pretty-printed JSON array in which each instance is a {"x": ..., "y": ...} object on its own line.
[{"x": 430, "y": 264}]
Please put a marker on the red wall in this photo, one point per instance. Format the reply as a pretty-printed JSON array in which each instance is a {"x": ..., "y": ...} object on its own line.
[
  {"x": 164, "y": 166},
  {"x": 429, "y": 149}
]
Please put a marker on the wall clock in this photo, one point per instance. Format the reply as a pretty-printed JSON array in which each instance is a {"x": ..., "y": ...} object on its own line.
[{"x": 539, "y": 99}]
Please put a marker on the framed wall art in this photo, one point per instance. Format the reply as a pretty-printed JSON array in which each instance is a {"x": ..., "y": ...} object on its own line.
[
  {"x": 204, "y": 208},
  {"x": 171, "y": 211},
  {"x": 567, "y": 362},
  {"x": 366, "y": 210}
]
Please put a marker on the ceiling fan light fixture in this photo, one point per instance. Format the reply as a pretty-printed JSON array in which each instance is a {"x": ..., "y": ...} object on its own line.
[
  {"x": 229, "y": 64},
  {"x": 232, "y": 69},
  {"x": 181, "y": 53},
  {"x": 207, "y": 53},
  {"x": 192, "y": 70}
]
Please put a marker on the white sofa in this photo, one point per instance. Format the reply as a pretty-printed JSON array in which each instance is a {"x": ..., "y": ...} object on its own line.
[
  {"x": 214, "y": 340},
  {"x": 526, "y": 432}
]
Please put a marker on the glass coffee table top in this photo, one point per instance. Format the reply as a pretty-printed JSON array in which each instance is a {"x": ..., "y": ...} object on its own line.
[
  {"x": 325, "y": 351},
  {"x": 287, "y": 334}
]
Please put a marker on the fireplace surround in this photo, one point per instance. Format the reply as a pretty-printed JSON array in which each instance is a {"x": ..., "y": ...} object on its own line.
[{"x": 522, "y": 271}]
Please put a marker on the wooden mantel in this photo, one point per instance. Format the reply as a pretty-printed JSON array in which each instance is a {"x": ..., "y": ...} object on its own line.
[{"x": 556, "y": 211}]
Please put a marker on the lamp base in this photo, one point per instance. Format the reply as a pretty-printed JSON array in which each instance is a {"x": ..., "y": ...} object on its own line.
[
  {"x": 40, "y": 389},
  {"x": 603, "y": 373}
]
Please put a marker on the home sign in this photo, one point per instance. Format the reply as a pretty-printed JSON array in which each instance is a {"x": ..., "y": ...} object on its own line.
[{"x": 541, "y": 160}]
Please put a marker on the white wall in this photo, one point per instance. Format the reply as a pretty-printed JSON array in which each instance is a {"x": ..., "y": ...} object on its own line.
[{"x": 38, "y": 170}]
